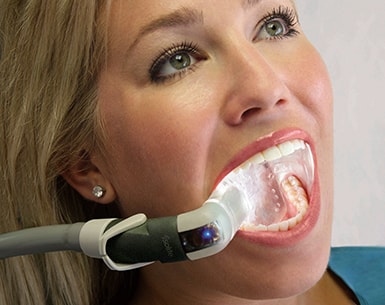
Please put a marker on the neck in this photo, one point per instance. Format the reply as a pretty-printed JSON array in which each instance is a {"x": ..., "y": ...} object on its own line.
[{"x": 327, "y": 291}]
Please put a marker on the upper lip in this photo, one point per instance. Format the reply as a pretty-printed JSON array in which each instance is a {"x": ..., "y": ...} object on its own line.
[{"x": 261, "y": 144}]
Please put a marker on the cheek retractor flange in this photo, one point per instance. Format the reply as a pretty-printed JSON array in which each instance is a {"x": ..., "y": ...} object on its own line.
[{"x": 275, "y": 183}]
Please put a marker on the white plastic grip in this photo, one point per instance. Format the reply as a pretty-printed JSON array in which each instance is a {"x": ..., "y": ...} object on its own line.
[{"x": 93, "y": 238}]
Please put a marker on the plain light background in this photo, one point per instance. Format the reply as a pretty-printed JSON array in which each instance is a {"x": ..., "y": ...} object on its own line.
[{"x": 350, "y": 37}]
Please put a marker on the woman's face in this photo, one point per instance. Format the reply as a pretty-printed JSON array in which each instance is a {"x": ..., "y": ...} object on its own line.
[{"x": 192, "y": 89}]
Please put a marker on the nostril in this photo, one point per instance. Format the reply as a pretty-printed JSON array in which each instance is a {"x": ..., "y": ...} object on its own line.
[
  {"x": 250, "y": 112},
  {"x": 280, "y": 102},
  {"x": 258, "y": 110}
]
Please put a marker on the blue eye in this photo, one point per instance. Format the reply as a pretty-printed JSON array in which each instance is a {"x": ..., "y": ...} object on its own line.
[
  {"x": 174, "y": 61},
  {"x": 280, "y": 23},
  {"x": 275, "y": 28}
]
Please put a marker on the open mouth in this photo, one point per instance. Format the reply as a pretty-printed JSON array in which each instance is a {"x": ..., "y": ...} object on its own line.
[{"x": 277, "y": 183}]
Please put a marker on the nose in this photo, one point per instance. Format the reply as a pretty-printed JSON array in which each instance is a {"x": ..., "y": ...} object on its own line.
[{"x": 256, "y": 85}]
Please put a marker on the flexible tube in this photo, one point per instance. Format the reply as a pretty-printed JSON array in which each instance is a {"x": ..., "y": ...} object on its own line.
[{"x": 40, "y": 240}]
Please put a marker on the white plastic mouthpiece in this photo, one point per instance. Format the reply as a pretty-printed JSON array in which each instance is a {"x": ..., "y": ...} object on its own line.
[{"x": 271, "y": 187}]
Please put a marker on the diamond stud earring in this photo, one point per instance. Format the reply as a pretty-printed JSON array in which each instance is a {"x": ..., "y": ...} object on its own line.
[{"x": 98, "y": 191}]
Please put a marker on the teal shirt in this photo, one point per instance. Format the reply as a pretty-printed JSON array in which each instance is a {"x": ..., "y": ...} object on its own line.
[{"x": 362, "y": 269}]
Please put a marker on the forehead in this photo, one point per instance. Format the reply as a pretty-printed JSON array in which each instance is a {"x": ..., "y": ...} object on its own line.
[{"x": 134, "y": 18}]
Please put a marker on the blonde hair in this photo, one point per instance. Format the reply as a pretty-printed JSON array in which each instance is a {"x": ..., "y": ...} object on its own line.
[{"x": 50, "y": 55}]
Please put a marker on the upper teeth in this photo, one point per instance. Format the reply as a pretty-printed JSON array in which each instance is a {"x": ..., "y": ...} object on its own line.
[{"x": 276, "y": 152}]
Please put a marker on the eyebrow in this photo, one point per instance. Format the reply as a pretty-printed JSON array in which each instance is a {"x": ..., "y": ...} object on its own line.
[
  {"x": 180, "y": 17},
  {"x": 249, "y": 3}
]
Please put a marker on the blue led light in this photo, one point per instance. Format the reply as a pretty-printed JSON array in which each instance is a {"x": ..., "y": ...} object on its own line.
[
  {"x": 208, "y": 233},
  {"x": 200, "y": 238}
]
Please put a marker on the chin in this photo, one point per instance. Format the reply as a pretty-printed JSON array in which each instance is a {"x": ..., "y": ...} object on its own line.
[
  {"x": 265, "y": 271},
  {"x": 283, "y": 276}
]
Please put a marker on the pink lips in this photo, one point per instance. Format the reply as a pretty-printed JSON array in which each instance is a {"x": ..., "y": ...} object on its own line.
[{"x": 302, "y": 229}]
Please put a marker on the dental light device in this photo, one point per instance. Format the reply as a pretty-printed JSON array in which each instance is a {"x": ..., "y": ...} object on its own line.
[
  {"x": 130, "y": 243},
  {"x": 260, "y": 194}
]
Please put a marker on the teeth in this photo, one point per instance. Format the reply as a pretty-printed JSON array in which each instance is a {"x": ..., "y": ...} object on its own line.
[
  {"x": 257, "y": 159},
  {"x": 297, "y": 196},
  {"x": 276, "y": 152},
  {"x": 286, "y": 148},
  {"x": 272, "y": 153}
]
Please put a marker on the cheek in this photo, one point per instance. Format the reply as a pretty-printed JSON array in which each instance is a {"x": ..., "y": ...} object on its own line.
[
  {"x": 157, "y": 149},
  {"x": 312, "y": 86},
  {"x": 309, "y": 81},
  {"x": 318, "y": 99}
]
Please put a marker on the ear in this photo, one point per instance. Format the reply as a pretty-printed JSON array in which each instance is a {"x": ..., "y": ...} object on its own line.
[{"x": 83, "y": 176}]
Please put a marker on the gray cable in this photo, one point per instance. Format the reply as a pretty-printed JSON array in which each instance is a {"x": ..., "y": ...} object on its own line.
[{"x": 40, "y": 240}]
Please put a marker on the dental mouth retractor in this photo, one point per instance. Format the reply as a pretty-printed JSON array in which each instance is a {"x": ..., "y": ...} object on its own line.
[{"x": 235, "y": 204}]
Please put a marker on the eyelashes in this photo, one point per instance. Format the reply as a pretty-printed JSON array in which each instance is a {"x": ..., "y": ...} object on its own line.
[
  {"x": 180, "y": 58},
  {"x": 283, "y": 20},
  {"x": 176, "y": 61}
]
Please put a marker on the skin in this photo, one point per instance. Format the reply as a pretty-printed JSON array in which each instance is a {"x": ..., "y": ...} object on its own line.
[{"x": 168, "y": 142}]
